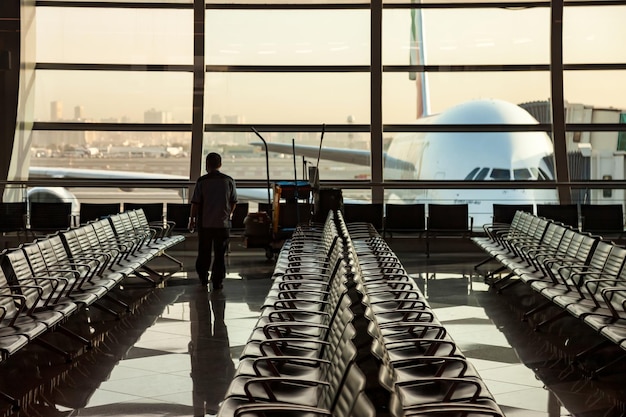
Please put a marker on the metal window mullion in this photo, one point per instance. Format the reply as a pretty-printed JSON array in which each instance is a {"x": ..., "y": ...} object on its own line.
[
  {"x": 199, "y": 75},
  {"x": 376, "y": 116},
  {"x": 558, "y": 101}
]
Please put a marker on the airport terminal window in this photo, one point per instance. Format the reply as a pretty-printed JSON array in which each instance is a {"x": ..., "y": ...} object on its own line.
[
  {"x": 594, "y": 34},
  {"x": 110, "y": 153},
  {"x": 287, "y": 37},
  {"x": 457, "y": 2},
  {"x": 455, "y": 36},
  {"x": 447, "y": 89},
  {"x": 113, "y": 96},
  {"x": 606, "y": 96},
  {"x": 478, "y": 52},
  {"x": 278, "y": 2},
  {"x": 309, "y": 97},
  {"x": 120, "y": 36},
  {"x": 244, "y": 157},
  {"x": 126, "y": 1}
]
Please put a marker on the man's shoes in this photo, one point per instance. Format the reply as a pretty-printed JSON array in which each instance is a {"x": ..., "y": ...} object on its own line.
[{"x": 218, "y": 286}]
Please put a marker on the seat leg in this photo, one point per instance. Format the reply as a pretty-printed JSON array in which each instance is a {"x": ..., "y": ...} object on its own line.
[
  {"x": 557, "y": 316},
  {"x": 107, "y": 310},
  {"x": 170, "y": 257},
  {"x": 580, "y": 355},
  {"x": 484, "y": 261},
  {"x": 490, "y": 275},
  {"x": 75, "y": 335},
  {"x": 595, "y": 373},
  {"x": 150, "y": 275},
  {"x": 15, "y": 404},
  {"x": 536, "y": 310},
  {"x": 56, "y": 349},
  {"x": 117, "y": 301},
  {"x": 508, "y": 283}
]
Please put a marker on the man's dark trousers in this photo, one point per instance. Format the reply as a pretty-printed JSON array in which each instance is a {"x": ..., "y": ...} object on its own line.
[{"x": 212, "y": 241}]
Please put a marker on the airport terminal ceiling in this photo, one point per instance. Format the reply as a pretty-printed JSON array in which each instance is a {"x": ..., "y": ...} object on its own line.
[{"x": 383, "y": 95}]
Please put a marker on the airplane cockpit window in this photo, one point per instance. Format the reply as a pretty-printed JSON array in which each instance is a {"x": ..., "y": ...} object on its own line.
[
  {"x": 542, "y": 175},
  {"x": 482, "y": 174},
  {"x": 522, "y": 174},
  {"x": 470, "y": 176},
  {"x": 500, "y": 174}
]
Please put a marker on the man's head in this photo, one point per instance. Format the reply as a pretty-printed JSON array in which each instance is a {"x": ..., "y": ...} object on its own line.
[{"x": 213, "y": 161}]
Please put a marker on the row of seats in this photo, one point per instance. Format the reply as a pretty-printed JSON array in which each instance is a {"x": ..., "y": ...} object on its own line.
[
  {"x": 386, "y": 218},
  {"x": 176, "y": 215},
  {"x": 45, "y": 283},
  {"x": 421, "y": 367},
  {"x": 345, "y": 331},
  {"x": 602, "y": 219},
  {"x": 42, "y": 217},
  {"x": 580, "y": 274}
]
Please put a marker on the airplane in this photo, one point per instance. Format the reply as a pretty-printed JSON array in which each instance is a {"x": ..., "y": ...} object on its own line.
[{"x": 469, "y": 156}]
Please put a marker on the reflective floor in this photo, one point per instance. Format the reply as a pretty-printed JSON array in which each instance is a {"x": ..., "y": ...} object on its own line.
[{"x": 177, "y": 353}]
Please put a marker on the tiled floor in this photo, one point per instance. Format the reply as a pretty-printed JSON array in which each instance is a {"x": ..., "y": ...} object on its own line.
[{"x": 177, "y": 353}]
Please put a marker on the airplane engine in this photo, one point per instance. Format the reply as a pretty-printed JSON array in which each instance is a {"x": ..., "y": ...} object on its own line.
[{"x": 54, "y": 195}]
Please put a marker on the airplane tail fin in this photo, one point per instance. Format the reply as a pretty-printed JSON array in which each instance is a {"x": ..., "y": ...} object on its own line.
[{"x": 417, "y": 57}]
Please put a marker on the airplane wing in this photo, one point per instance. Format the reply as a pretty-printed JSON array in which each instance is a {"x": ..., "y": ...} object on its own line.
[{"x": 350, "y": 156}]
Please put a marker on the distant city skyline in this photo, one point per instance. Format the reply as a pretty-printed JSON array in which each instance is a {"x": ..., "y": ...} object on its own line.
[{"x": 151, "y": 115}]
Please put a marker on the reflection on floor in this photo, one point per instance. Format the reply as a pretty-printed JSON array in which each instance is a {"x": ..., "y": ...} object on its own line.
[{"x": 177, "y": 353}]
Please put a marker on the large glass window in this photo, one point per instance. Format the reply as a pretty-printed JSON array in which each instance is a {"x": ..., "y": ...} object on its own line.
[
  {"x": 110, "y": 155},
  {"x": 486, "y": 36},
  {"x": 287, "y": 37},
  {"x": 283, "y": 2},
  {"x": 296, "y": 65},
  {"x": 608, "y": 90},
  {"x": 444, "y": 90},
  {"x": 114, "y": 36},
  {"x": 113, "y": 96},
  {"x": 594, "y": 35},
  {"x": 244, "y": 155},
  {"x": 287, "y": 98},
  {"x": 126, "y": 1}
]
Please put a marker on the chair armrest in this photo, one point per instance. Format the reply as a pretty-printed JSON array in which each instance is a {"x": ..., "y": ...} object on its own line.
[
  {"x": 266, "y": 382},
  {"x": 274, "y": 344},
  {"x": 297, "y": 360}
]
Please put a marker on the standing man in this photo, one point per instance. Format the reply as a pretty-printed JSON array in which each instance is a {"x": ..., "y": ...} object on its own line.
[{"x": 212, "y": 205}]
